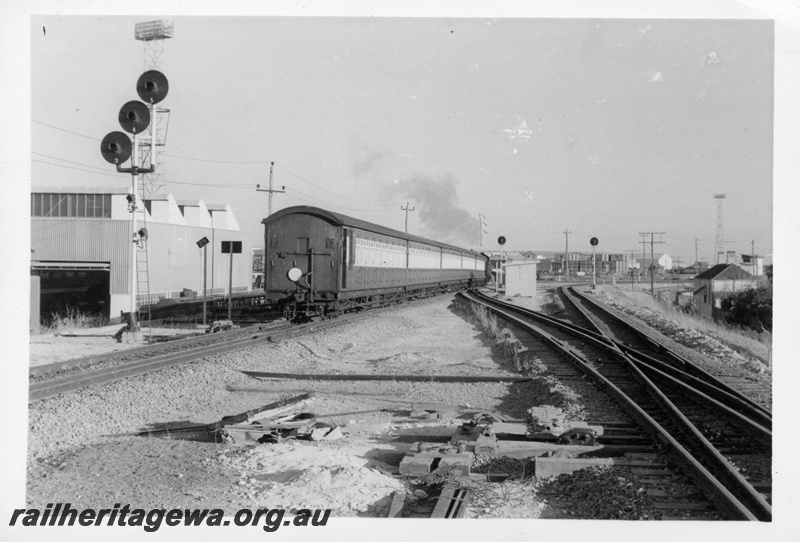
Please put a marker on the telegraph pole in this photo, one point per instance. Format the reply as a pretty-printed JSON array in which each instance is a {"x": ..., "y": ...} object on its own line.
[
  {"x": 696, "y": 261},
  {"x": 753, "y": 256},
  {"x": 480, "y": 230},
  {"x": 406, "y": 209},
  {"x": 644, "y": 255},
  {"x": 270, "y": 190},
  {"x": 566, "y": 253},
  {"x": 652, "y": 256}
]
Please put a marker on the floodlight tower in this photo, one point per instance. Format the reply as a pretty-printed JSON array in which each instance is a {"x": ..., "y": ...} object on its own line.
[
  {"x": 719, "y": 244},
  {"x": 152, "y": 34}
]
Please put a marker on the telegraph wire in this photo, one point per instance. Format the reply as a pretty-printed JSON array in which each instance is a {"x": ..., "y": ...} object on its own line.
[
  {"x": 75, "y": 168},
  {"x": 324, "y": 190},
  {"x": 306, "y": 197},
  {"x": 118, "y": 175},
  {"x": 64, "y": 130},
  {"x": 214, "y": 161},
  {"x": 68, "y": 161}
]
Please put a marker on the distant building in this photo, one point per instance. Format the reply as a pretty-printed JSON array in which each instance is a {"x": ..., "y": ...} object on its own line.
[
  {"x": 663, "y": 262},
  {"x": 713, "y": 285}
]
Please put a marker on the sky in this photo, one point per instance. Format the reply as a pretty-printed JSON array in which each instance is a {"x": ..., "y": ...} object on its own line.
[
  {"x": 600, "y": 127},
  {"x": 603, "y": 118}
]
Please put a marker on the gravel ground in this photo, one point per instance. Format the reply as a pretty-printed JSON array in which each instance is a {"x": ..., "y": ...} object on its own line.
[
  {"x": 706, "y": 349},
  {"x": 49, "y": 348},
  {"x": 71, "y": 456},
  {"x": 81, "y": 460}
]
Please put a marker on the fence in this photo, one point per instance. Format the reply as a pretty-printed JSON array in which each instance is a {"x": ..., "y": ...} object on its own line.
[{"x": 153, "y": 298}]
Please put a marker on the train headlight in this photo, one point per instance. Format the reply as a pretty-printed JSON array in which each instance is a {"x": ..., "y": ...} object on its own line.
[{"x": 294, "y": 274}]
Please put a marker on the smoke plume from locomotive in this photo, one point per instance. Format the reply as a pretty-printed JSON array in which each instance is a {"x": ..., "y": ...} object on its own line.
[{"x": 436, "y": 200}]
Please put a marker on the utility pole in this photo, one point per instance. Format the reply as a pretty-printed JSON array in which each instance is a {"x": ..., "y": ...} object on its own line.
[
  {"x": 481, "y": 226},
  {"x": 652, "y": 256},
  {"x": 406, "y": 209},
  {"x": 753, "y": 256},
  {"x": 270, "y": 191},
  {"x": 644, "y": 256},
  {"x": 566, "y": 253},
  {"x": 696, "y": 261}
]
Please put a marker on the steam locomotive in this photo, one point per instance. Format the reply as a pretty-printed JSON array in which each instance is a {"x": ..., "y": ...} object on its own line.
[{"x": 319, "y": 264}]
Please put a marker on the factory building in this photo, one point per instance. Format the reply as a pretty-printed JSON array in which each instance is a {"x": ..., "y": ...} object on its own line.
[{"x": 81, "y": 250}]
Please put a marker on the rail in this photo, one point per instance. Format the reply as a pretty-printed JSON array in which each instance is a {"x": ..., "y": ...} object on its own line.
[{"x": 734, "y": 495}]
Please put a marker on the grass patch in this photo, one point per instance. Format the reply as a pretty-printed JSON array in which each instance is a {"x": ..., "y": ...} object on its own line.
[
  {"x": 741, "y": 340},
  {"x": 71, "y": 320}
]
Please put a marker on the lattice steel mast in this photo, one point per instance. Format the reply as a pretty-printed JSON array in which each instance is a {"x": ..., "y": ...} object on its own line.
[{"x": 719, "y": 243}]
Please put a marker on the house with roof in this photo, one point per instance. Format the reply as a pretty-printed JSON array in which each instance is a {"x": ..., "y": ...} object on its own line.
[{"x": 718, "y": 282}]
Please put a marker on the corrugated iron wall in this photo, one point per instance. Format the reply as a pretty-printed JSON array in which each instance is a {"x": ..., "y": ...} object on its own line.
[
  {"x": 90, "y": 240},
  {"x": 174, "y": 260}
]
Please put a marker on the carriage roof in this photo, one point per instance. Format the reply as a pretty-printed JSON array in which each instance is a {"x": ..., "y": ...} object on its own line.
[{"x": 347, "y": 221}]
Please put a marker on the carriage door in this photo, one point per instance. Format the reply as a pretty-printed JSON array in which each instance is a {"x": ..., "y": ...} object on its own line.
[
  {"x": 344, "y": 259},
  {"x": 303, "y": 244}
]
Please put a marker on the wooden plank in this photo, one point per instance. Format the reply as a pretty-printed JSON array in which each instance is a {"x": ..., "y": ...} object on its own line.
[
  {"x": 398, "y": 501},
  {"x": 389, "y": 378},
  {"x": 452, "y": 503}
]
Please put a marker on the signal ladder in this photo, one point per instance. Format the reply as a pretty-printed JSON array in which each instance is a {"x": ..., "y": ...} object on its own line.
[{"x": 142, "y": 269}]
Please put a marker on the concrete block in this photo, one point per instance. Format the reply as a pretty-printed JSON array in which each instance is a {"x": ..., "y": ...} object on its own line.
[
  {"x": 414, "y": 465},
  {"x": 427, "y": 457}
]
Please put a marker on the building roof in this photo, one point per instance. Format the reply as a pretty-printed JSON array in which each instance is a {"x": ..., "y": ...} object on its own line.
[
  {"x": 188, "y": 203},
  {"x": 522, "y": 262},
  {"x": 724, "y": 270},
  {"x": 81, "y": 190},
  {"x": 216, "y": 207}
]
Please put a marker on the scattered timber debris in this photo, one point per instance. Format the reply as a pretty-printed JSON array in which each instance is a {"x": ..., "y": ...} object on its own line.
[{"x": 270, "y": 423}]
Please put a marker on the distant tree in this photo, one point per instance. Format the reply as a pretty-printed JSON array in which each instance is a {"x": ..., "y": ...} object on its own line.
[
  {"x": 750, "y": 308},
  {"x": 768, "y": 271}
]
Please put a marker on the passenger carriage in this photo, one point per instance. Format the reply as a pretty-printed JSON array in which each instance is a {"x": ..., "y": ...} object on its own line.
[{"x": 321, "y": 263}]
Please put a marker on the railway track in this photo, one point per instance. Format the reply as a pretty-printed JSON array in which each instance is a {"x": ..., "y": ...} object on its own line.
[
  {"x": 41, "y": 372},
  {"x": 51, "y": 380},
  {"x": 643, "y": 346},
  {"x": 703, "y": 436}
]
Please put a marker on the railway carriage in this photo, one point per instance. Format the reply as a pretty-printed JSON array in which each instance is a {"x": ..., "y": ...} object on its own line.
[{"x": 319, "y": 263}]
